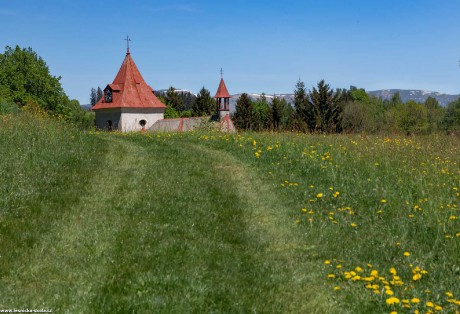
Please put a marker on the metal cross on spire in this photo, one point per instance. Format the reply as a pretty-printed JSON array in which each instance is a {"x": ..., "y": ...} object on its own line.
[
  {"x": 221, "y": 73},
  {"x": 127, "y": 43}
]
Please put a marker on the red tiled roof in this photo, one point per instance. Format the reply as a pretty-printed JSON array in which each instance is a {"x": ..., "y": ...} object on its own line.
[
  {"x": 222, "y": 91},
  {"x": 129, "y": 89}
]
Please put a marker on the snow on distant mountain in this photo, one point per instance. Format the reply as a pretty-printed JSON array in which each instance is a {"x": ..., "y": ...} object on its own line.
[
  {"x": 288, "y": 97},
  {"x": 184, "y": 91},
  {"x": 415, "y": 95}
]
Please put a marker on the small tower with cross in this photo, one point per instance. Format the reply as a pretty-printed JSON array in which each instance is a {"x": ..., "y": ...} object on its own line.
[{"x": 222, "y": 98}]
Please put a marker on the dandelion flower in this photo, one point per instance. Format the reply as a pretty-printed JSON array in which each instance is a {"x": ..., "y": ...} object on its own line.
[
  {"x": 415, "y": 300},
  {"x": 319, "y": 195},
  {"x": 327, "y": 262},
  {"x": 407, "y": 254},
  {"x": 392, "y": 300},
  {"x": 429, "y": 304}
]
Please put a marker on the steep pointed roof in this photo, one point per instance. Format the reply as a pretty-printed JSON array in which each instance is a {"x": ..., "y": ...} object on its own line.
[
  {"x": 222, "y": 91},
  {"x": 129, "y": 90}
]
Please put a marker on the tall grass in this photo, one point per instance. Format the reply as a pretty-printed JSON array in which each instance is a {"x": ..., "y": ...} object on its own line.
[
  {"x": 211, "y": 222},
  {"x": 381, "y": 213},
  {"x": 45, "y": 166}
]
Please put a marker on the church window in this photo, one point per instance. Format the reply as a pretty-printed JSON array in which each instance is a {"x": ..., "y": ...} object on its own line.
[{"x": 108, "y": 95}]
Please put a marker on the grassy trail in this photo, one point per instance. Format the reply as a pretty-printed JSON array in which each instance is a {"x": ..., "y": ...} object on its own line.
[{"x": 169, "y": 228}]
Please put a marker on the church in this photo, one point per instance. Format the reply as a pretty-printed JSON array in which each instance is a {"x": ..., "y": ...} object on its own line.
[{"x": 129, "y": 104}]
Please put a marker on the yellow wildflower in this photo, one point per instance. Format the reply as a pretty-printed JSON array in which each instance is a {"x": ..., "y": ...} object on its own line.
[
  {"x": 407, "y": 254},
  {"x": 392, "y": 300}
]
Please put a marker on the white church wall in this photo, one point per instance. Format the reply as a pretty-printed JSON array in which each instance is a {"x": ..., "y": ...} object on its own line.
[{"x": 131, "y": 118}]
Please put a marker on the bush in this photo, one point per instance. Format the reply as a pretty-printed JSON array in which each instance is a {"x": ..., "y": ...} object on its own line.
[{"x": 8, "y": 107}]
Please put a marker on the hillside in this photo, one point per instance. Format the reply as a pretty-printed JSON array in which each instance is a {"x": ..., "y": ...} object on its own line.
[{"x": 208, "y": 222}]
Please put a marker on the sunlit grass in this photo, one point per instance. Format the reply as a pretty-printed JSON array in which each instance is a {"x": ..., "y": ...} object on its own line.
[
  {"x": 211, "y": 222},
  {"x": 374, "y": 204}
]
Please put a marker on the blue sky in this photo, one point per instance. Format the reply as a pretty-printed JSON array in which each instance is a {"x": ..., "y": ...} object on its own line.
[{"x": 263, "y": 46}]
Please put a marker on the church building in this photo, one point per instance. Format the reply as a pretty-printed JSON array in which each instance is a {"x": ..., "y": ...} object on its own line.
[{"x": 128, "y": 104}]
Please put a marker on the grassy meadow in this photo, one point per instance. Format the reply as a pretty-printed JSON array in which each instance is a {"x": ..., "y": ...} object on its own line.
[{"x": 211, "y": 222}]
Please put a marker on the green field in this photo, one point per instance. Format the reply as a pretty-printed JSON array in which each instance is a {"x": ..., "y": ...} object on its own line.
[{"x": 209, "y": 222}]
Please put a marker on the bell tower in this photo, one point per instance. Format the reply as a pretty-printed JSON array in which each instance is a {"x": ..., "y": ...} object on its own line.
[{"x": 222, "y": 99}]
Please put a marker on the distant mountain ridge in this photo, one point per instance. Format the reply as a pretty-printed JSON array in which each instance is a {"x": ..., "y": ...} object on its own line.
[{"x": 415, "y": 95}]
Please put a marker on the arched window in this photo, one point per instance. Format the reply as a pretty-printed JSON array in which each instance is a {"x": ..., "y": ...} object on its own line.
[
  {"x": 109, "y": 125},
  {"x": 142, "y": 123}
]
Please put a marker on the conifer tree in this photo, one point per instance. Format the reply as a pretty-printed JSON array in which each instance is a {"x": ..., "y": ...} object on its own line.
[
  {"x": 304, "y": 111},
  {"x": 242, "y": 117},
  {"x": 204, "y": 104},
  {"x": 325, "y": 104},
  {"x": 93, "y": 97},
  {"x": 277, "y": 113},
  {"x": 174, "y": 100},
  {"x": 99, "y": 94}
]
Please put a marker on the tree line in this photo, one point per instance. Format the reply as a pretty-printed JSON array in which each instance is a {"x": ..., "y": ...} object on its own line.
[
  {"x": 26, "y": 84},
  {"x": 324, "y": 110},
  {"x": 185, "y": 104}
]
